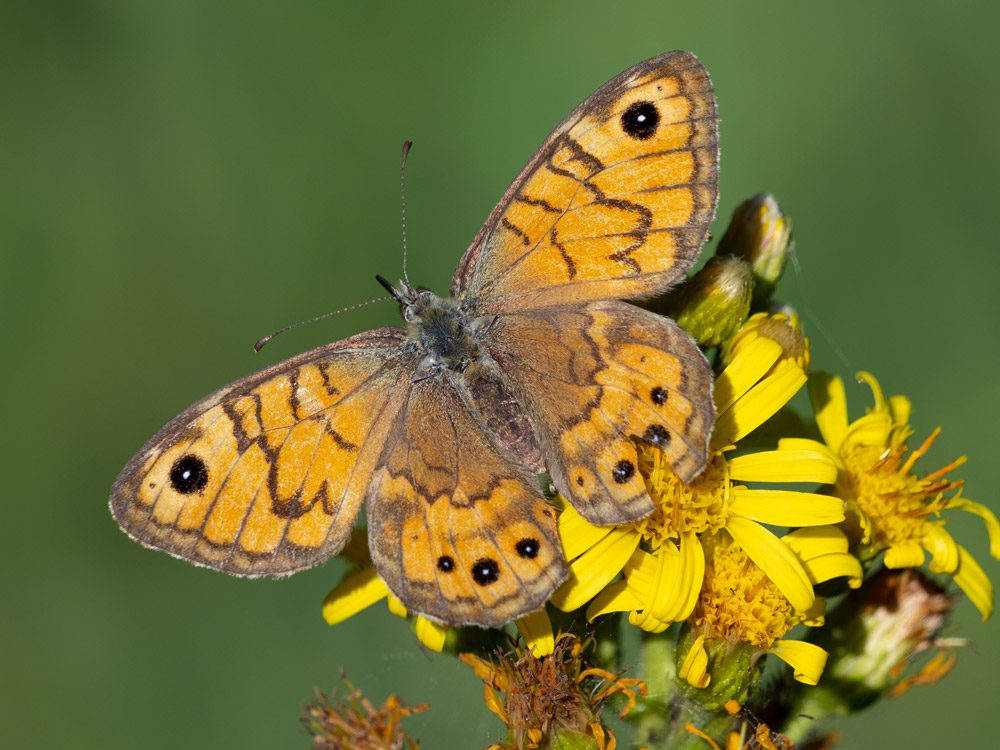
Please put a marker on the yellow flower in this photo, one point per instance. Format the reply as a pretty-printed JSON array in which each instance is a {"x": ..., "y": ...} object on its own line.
[
  {"x": 359, "y": 589},
  {"x": 892, "y": 506},
  {"x": 739, "y": 604},
  {"x": 662, "y": 556}
]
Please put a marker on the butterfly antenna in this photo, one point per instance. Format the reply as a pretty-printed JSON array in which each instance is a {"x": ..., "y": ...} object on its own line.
[
  {"x": 402, "y": 190},
  {"x": 260, "y": 344}
]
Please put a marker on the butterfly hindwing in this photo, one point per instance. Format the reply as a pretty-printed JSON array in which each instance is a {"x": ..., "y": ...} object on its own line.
[
  {"x": 266, "y": 475},
  {"x": 457, "y": 529},
  {"x": 591, "y": 377},
  {"x": 615, "y": 204}
]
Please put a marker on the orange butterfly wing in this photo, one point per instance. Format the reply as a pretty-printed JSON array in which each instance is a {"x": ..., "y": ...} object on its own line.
[
  {"x": 266, "y": 475},
  {"x": 589, "y": 377},
  {"x": 458, "y": 529},
  {"x": 615, "y": 204}
]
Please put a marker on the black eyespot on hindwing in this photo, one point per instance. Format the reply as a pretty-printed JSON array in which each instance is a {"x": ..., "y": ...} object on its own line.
[
  {"x": 623, "y": 471},
  {"x": 657, "y": 435},
  {"x": 485, "y": 571},
  {"x": 527, "y": 548},
  {"x": 446, "y": 564}
]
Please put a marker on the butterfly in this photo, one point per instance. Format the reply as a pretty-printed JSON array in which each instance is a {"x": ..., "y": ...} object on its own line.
[{"x": 533, "y": 362}]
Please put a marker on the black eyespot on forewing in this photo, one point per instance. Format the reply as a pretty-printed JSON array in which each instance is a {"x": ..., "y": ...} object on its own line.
[
  {"x": 527, "y": 548},
  {"x": 657, "y": 435},
  {"x": 485, "y": 571},
  {"x": 189, "y": 474},
  {"x": 641, "y": 120},
  {"x": 623, "y": 471},
  {"x": 446, "y": 563},
  {"x": 658, "y": 396}
]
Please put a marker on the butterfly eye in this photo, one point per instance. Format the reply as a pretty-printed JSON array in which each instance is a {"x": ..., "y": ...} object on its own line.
[
  {"x": 189, "y": 474},
  {"x": 641, "y": 120}
]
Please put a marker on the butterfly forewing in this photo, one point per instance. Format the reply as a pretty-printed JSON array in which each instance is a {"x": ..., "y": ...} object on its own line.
[
  {"x": 615, "y": 204},
  {"x": 266, "y": 475}
]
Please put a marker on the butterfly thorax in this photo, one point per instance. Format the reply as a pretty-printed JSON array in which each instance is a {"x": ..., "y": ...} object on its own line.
[{"x": 447, "y": 336}]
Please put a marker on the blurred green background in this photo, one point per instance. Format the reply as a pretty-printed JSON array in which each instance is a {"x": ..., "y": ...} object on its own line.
[{"x": 180, "y": 178}]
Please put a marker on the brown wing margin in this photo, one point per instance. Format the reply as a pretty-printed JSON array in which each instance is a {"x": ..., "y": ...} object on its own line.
[
  {"x": 266, "y": 475},
  {"x": 601, "y": 212}
]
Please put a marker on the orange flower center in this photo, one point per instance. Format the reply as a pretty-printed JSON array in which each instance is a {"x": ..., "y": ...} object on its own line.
[
  {"x": 701, "y": 506},
  {"x": 739, "y": 602},
  {"x": 882, "y": 486}
]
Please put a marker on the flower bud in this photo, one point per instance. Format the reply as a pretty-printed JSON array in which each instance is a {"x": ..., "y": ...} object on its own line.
[
  {"x": 762, "y": 235},
  {"x": 712, "y": 304}
]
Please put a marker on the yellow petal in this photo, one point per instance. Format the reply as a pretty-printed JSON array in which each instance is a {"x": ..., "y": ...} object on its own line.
[
  {"x": 746, "y": 368},
  {"x": 974, "y": 582},
  {"x": 904, "y": 555},
  {"x": 594, "y": 569},
  {"x": 941, "y": 545},
  {"x": 815, "y": 617},
  {"x": 684, "y": 584},
  {"x": 667, "y": 582},
  {"x": 616, "y": 597},
  {"x": 396, "y": 606},
  {"x": 806, "y": 659},
  {"x": 872, "y": 429},
  {"x": 899, "y": 409},
  {"x": 640, "y": 570},
  {"x": 356, "y": 590},
  {"x": 536, "y": 629},
  {"x": 822, "y": 550},
  {"x": 648, "y": 578},
  {"x": 759, "y": 404},
  {"x": 805, "y": 444},
  {"x": 992, "y": 525},
  {"x": 786, "y": 508},
  {"x": 647, "y": 622},
  {"x": 775, "y": 558},
  {"x": 784, "y": 466},
  {"x": 830, "y": 406},
  {"x": 815, "y": 541},
  {"x": 431, "y": 634},
  {"x": 577, "y": 535},
  {"x": 834, "y": 565},
  {"x": 695, "y": 665},
  {"x": 880, "y": 403}
]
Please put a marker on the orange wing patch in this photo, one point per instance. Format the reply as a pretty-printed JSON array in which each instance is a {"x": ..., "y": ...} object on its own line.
[{"x": 265, "y": 476}]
